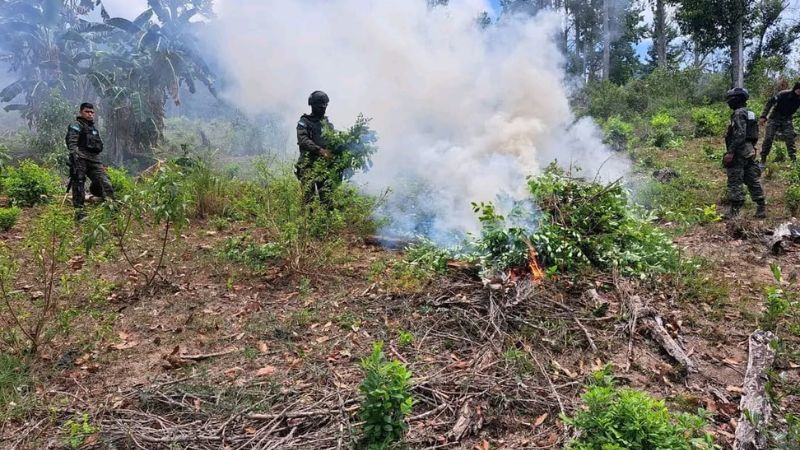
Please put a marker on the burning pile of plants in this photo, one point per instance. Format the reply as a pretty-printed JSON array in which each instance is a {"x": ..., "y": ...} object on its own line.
[{"x": 568, "y": 225}]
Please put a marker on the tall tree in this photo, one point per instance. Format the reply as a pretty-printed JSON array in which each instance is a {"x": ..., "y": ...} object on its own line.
[
  {"x": 660, "y": 33},
  {"x": 717, "y": 24},
  {"x": 773, "y": 36},
  {"x": 606, "y": 39}
]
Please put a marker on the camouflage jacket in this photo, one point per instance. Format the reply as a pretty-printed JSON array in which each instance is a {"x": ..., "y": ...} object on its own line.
[
  {"x": 783, "y": 105},
  {"x": 742, "y": 133},
  {"x": 309, "y": 139},
  {"x": 83, "y": 140}
]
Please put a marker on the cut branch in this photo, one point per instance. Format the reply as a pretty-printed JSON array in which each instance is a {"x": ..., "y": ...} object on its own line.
[{"x": 755, "y": 408}]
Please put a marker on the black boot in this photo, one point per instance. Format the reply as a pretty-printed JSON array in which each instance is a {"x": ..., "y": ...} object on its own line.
[
  {"x": 733, "y": 212},
  {"x": 761, "y": 211}
]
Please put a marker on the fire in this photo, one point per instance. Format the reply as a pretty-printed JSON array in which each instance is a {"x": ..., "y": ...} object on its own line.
[{"x": 537, "y": 274}]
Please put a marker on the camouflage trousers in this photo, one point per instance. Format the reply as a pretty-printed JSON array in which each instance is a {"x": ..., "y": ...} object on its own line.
[
  {"x": 744, "y": 171},
  {"x": 93, "y": 170},
  {"x": 785, "y": 128}
]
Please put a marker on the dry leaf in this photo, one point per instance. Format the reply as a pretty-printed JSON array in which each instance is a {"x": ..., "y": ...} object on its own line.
[
  {"x": 460, "y": 365},
  {"x": 250, "y": 430},
  {"x": 322, "y": 340},
  {"x": 540, "y": 420},
  {"x": 233, "y": 372},
  {"x": 262, "y": 347},
  {"x": 735, "y": 389},
  {"x": 197, "y": 405},
  {"x": 265, "y": 371},
  {"x": 125, "y": 345}
]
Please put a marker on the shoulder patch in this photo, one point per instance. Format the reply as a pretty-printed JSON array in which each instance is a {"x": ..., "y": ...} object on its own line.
[
  {"x": 75, "y": 127},
  {"x": 301, "y": 124},
  {"x": 751, "y": 115}
]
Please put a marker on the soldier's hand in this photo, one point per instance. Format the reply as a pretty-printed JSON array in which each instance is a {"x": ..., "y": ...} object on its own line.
[
  {"x": 762, "y": 121},
  {"x": 326, "y": 153}
]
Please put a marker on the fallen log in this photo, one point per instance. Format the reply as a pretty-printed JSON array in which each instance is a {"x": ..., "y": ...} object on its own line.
[
  {"x": 754, "y": 406},
  {"x": 653, "y": 323}
]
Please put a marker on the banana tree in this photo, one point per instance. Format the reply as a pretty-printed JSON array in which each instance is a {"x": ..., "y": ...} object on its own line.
[
  {"x": 148, "y": 60},
  {"x": 40, "y": 43}
]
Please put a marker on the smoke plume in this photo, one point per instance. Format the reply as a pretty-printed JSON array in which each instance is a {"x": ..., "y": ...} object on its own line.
[{"x": 462, "y": 113}]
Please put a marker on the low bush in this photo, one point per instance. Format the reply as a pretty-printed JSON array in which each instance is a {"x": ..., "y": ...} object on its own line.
[
  {"x": 621, "y": 418},
  {"x": 792, "y": 198},
  {"x": 708, "y": 122},
  {"x": 4, "y": 159},
  {"x": 662, "y": 126},
  {"x": 618, "y": 133},
  {"x": 122, "y": 183},
  {"x": 8, "y": 217},
  {"x": 29, "y": 184},
  {"x": 244, "y": 251},
  {"x": 387, "y": 399}
]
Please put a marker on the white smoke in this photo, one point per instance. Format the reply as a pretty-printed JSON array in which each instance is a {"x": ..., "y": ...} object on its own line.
[{"x": 462, "y": 113}]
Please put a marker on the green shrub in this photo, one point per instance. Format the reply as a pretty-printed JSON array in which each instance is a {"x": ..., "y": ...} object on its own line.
[
  {"x": 4, "y": 159},
  {"x": 244, "y": 251},
  {"x": 792, "y": 198},
  {"x": 426, "y": 257},
  {"x": 29, "y": 184},
  {"x": 50, "y": 125},
  {"x": 206, "y": 187},
  {"x": 708, "y": 122},
  {"x": 387, "y": 399},
  {"x": 8, "y": 217},
  {"x": 580, "y": 224},
  {"x": 618, "y": 133},
  {"x": 122, "y": 183},
  {"x": 77, "y": 430},
  {"x": 662, "y": 127},
  {"x": 623, "y": 418},
  {"x": 405, "y": 338},
  {"x": 679, "y": 200}
]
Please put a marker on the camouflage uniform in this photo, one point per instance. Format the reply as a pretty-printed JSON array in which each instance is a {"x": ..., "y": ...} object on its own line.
[
  {"x": 782, "y": 106},
  {"x": 740, "y": 142},
  {"x": 84, "y": 144},
  {"x": 315, "y": 181}
]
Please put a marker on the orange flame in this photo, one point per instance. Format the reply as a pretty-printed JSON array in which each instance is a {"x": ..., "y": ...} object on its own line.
[{"x": 537, "y": 274}]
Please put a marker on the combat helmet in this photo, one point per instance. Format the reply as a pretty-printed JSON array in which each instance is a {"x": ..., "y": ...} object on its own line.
[
  {"x": 737, "y": 92},
  {"x": 318, "y": 98}
]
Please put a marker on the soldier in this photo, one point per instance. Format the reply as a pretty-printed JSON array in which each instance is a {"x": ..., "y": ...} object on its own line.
[
  {"x": 316, "y": 182},
  {"x": 84, "y": 144},
  {"x": 740, "y": 159},
  {"x": 783, "y": 105}
]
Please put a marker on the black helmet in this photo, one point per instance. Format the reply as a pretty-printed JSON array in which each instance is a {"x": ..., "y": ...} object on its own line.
[
  {"x": 318, "y": 98},
  {"x": 737, "y": 92}
]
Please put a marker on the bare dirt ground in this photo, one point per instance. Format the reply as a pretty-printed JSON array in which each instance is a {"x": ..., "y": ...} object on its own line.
[{"x": 220, "y": 356}]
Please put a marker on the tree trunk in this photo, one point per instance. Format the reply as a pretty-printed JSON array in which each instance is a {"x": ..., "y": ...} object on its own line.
[
  {"x": 737, "y": 50},
  {"x": 606, "y": 65},
  {"x": 661, "y": 33}
]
